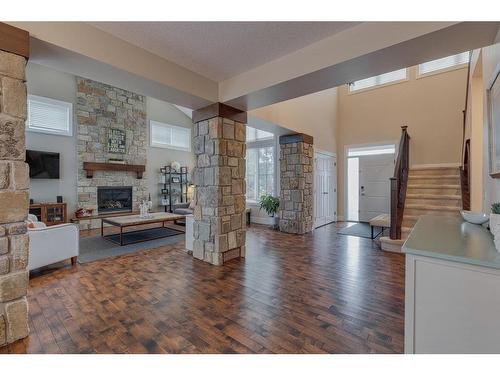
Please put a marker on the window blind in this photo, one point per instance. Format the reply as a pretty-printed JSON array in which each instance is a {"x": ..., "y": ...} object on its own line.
[
  {"x": 49, "y": 116},
  {"x": 170, "y": 136}
]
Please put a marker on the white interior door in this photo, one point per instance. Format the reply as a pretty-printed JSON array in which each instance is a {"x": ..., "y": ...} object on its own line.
[
  {"x": 374, "y": 185},
  {"x": 325, "y": 189}
]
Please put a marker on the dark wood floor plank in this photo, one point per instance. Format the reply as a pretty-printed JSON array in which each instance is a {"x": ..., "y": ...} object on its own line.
[{"x": 318, "y": 293}]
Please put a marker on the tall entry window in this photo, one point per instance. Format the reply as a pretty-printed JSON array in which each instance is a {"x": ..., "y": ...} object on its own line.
[{"x": 260, "y": 164}]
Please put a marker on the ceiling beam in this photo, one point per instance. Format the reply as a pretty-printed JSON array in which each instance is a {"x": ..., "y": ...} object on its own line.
[
  {"x": 14, "y": 40},
  {"x": 287, "y": 78},
  {"x": 88, "y": 42}
]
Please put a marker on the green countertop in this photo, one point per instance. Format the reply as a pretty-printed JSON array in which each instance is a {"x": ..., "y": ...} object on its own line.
[{"x": 452, "y": 239}]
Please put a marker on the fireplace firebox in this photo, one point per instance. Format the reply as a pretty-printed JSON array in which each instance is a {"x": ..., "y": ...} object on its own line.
[{"x": 114, "y": 199}]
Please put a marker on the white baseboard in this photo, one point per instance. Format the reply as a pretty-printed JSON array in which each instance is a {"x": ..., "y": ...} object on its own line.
[{"x": 261, "y": 220}]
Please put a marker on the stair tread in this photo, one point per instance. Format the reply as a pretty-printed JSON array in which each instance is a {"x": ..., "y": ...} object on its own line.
[
  {"x": 388, "y": 240},
  {"x": 433, "y": 196},
  {"x": 426, "y": 168},
  {"x": 411, "y": 217},
  {"x": 430, "y": 207},
  {"x": 433, "y": 186},
  {"x": 435, "y": 177}
]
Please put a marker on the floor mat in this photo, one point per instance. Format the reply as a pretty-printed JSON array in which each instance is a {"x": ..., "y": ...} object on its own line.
[{"x": 96, "y": 248}]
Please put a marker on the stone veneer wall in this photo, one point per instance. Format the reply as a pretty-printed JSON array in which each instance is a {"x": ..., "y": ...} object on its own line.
[
  {"x": 14, "y": 184},
  {"x": 296, "y": 183},
  {"x": 101, "y": 107},
  {"x": 219, "y": 177}
]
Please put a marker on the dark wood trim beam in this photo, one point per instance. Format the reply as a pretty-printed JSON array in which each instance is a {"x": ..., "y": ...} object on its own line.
[
  {"x": 219, "y": 110},
  {"x": 90, "y": 167},
  {"x": 14, "y": 40},
  {"x": 294, "y": 138}
]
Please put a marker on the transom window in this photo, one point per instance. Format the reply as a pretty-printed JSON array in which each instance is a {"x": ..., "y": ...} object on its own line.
[
  {"x": 443, "y": 64},
  {"x": 254, "y": 134},
  {"x": 49, "y": 116},
  {"x": 169, "y": 136},
  {"x": 371, "y": 150},
  {"x": 260, "y": 164},
  {"x": 380, "y": 80}
]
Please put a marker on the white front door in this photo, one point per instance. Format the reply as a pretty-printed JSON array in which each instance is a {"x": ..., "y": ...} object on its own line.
[
  {"x": 374, "y": 185},
  {"x": 325, "y": 189}
]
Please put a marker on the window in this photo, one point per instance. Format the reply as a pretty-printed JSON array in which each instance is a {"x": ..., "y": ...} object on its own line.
[
  {"x": 170, "y": 136},
  {"x": 49, "y": 116},
  {"x": 260, "y": 164},
  {"x": 443, "y": 64},
  {"x": 260, "y": 172},
  {"x": 380, "y": 80},
  {"x": 372, "y": 150}
]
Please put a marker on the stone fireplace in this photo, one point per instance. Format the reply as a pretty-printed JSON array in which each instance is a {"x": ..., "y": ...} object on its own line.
[
  {"x": 103, "y": 109},
  {"x": 114, "y": 199}
]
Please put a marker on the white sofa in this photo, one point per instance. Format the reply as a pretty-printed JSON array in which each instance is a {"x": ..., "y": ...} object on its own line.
[{"x": 52, "y": 244}]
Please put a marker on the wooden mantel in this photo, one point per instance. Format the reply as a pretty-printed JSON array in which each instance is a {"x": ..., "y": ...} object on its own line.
[{"x": 91, "y": 167}]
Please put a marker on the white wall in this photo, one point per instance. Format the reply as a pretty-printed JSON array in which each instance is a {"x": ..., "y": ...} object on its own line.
[
  {"x": 61, "y": 86},
  {"x": 54, "y": 84},
  {"x": 159, "y": 110}
]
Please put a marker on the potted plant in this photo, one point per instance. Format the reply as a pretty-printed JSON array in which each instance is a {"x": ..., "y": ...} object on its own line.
[
  {"x": 495, "y": 223},
  {"x": 270, "y": 204}
]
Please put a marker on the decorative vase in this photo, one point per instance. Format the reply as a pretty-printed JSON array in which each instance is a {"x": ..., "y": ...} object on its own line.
[
  {"x": 495, "y": 229},
  {"x": 176, "y": 166}
]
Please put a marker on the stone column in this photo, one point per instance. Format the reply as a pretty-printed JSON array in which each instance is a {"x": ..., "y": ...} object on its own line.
[
  {"x": 296, "y": 183},
  {"x": 14, "y": 185},
  {"x": 219, "y": 178}
]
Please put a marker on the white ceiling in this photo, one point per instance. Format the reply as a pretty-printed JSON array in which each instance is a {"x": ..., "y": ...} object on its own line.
[{"x": 220, "y": 50}]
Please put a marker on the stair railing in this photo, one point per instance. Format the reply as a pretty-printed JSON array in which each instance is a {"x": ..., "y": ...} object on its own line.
[
  {"x": 465, "y": 163},
  {"x": 399, "y": 184}
]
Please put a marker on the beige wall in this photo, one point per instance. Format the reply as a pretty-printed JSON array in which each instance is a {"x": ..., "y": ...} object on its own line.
[
  {"x": 315, "y": 115},
  {"x": 430, "y": 106}
]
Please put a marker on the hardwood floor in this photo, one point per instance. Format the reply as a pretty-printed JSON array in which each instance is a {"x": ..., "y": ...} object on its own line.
[{"x": 318, "y": 293}]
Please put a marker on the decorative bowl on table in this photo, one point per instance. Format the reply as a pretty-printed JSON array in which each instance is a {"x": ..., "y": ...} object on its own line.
[{"x": 474, "y": 217}]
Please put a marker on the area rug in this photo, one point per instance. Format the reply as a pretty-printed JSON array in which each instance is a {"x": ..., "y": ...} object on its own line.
[
  {"x": 359, "y": 230},
  {"x": 97, "y": 248}
]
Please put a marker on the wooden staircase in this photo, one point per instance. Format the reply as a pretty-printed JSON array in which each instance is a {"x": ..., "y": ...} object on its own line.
[{"x": 430, "y": 191}]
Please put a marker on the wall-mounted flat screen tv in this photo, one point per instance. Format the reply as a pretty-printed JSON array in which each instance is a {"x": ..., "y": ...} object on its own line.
[{"x": 43, "y": 164}]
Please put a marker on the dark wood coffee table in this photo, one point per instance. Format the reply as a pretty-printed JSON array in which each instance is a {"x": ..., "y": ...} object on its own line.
[{"x": 136, "y": 220}]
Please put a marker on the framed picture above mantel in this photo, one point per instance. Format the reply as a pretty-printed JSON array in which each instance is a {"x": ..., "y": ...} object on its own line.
[
  {"x": 116, "y": 141},
  {"x": 494, "y": 126}
]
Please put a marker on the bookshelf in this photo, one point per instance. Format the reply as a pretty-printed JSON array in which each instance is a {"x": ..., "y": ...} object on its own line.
[{"x": 174, "y": 187}]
